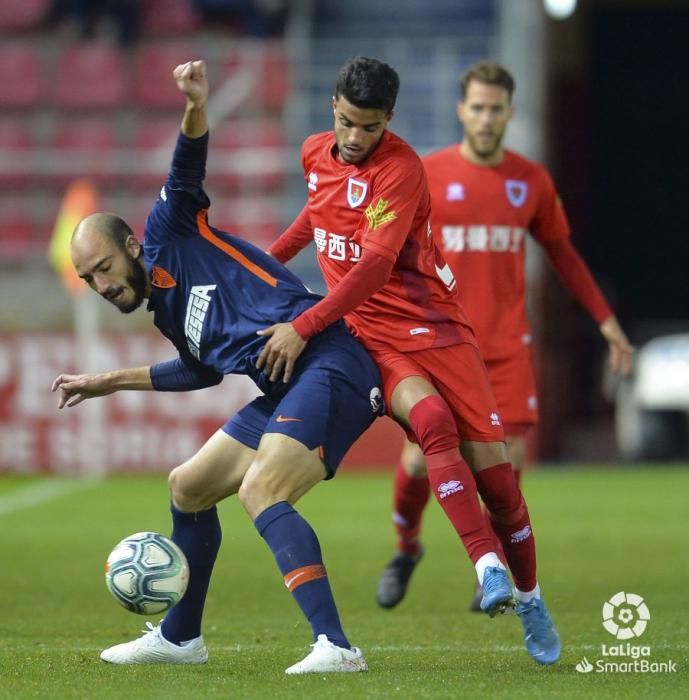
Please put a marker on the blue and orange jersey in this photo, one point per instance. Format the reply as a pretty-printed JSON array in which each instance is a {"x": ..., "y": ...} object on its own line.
[{"x": 212, "y": 291}]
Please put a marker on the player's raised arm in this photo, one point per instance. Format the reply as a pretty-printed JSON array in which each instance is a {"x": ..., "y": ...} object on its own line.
[
  {"x": 188, "y": 167},
  {"x": 192, "y": 83}
]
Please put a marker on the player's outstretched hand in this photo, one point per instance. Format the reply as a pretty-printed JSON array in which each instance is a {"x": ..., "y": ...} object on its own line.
[
  {"x": 75, "y": 388},
  {"x": 621, "y": 350},
  {"x": 191, "y": 80},
  {"x": 280, "y": 352}
]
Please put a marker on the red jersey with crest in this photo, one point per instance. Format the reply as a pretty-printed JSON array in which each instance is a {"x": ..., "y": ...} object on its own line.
[
  {"x": 383, "y": 204},
  {"x": 481, "y": 217}
]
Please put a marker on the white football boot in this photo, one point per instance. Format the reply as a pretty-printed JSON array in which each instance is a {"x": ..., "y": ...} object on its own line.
[
  {"x": 327, "y": 658},
  {"x": 153, "y": 648}
]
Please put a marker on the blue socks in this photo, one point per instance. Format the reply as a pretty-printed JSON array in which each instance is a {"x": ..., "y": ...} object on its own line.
[
  {"x": 198, "y": 535},
  {"x": 298, "y": 555}
]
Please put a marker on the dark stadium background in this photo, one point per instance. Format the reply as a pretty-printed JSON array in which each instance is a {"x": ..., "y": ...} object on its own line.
[{"x": 601, "y": 99}]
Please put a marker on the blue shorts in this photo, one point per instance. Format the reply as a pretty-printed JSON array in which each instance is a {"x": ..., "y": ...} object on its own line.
[{"x": 332, "y": 398}]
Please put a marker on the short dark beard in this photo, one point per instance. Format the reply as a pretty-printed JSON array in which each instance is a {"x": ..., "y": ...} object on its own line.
[{"x": 137, "y": 280}]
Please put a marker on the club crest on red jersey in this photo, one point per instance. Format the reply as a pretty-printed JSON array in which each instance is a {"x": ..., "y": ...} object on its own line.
[
  {"x": 516, "y": 192},
  {"x": 455, "y": 192},
  {"x": 356, "y": 192}
]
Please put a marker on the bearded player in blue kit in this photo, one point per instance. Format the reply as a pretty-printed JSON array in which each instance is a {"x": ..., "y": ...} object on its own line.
[{"x": 215, "y": 297}]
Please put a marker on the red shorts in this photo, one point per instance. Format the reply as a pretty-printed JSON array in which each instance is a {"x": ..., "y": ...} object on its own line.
[
  {"x": 514, "y": 388},
  {"x": 458, "y": 374}
]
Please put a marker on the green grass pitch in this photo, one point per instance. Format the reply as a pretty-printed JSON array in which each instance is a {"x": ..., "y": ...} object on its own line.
[{"x": 599, "y": 530}]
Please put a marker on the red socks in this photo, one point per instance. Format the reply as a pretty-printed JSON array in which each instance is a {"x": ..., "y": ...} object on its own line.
[
  {"x": 489, "y": 523},
  {"x": 509, "y": 517},
  {"x": 449, "y": 475},
  {"x": 409, "y": 499}
]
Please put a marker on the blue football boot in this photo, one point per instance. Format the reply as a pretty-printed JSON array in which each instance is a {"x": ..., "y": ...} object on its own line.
[
  {"x": 540, "y": 636},
  {"x": 497, "y": 591}
]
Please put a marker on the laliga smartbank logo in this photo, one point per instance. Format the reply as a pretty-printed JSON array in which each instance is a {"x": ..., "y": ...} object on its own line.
[{"x": 625, "y": 617}]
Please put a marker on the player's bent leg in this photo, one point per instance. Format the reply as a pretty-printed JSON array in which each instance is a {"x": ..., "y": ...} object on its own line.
[
  {"x": 516, "y": 452},
  {"x": 508, "y": 512},
  {"x": 283, "y": 470},
  {"x": 416, "y": 403},
  {"x": 512, "y": 524},
  {"x": 410, "y": 496},
  {"x": 214, "y": 472},
  {"x": 412, "y": 460}
]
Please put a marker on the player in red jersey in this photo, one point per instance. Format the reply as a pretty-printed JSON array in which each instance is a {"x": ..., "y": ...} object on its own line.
[
  {"x": 368, "y": 211},
  {"x": 485, "y": 201}
]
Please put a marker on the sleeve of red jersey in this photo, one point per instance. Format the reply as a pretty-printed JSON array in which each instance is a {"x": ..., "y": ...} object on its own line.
[
  {"x": 367, "y": 277},
  {"x": 577, "y": 277},
  {"x": 550, "y": 221},
  {"x": 297, "y": 236},
  {"x": 397, "y": 192}
]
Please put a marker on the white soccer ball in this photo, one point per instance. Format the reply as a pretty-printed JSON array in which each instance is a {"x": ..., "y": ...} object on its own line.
[{"x": 147, "y": 573}]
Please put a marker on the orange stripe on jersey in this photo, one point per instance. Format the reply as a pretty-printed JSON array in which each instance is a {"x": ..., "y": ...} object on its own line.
[
  {"x": 206, "y": 233},
  {"x": 297, "y": 577}
]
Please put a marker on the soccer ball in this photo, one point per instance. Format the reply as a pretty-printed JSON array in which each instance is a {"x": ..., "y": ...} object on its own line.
[{"x": 147, "y": 573}]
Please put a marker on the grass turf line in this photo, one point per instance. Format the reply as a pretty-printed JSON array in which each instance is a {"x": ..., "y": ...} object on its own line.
[{"x": 598, "y": 531}]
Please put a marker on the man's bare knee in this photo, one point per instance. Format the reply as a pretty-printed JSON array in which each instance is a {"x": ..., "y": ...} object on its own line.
[
  {"x": 188, "y": 494},
  {"x": 413, "y": 461},
  {"x": 257, "y": 491}
]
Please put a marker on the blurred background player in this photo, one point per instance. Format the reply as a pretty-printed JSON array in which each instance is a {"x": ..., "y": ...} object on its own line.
[
  {"x": 211, "y": 294},
  {"x": 485, "y": 200},
  {"x": 368, "y": 211}
]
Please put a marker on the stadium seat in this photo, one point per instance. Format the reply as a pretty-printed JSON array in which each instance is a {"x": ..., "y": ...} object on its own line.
[
  {"x": 20, "y": 77},
  {"x": 16, "y": 141},
  {"x": 255, "y": 219},
  {"x": 154, "y": 138},
  {"x": 247, "y": 153},
  {"x": 268, "y": 65},
  {"x": 21, "y": 15},
  {"x": 90, "y": 145},
  {"x": 135, "y": 211},
  {"x": 16, "y": 228},
  {"x": 89, "y": 76},
  {"x": 168, "y": 17},
  {"x": 153, "y": 83},
  {"x": 273, "y": 89}
]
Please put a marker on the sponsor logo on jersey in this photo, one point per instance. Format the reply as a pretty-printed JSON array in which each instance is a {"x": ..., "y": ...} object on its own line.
[
  {"x": 313, "y": 181},
  {"x": 520, "y": 535},
  {"x": 494, "y": 419},
  {"x": 447, "y": 488},
  {"x": 163, "y": 194},
  {"x": 455, "y": 192},
  {"x": 479, "y": 238},
  {"x": 197, "y": 308},
  {"x": 162, "y": 278},
  {"x": 379, "y": 215},
  {"x": 356, "y": 192},
  {"x": 336, "y": 246},
  {"x": 516, "y": 192},
  {"x": 419, "y": 331}
]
